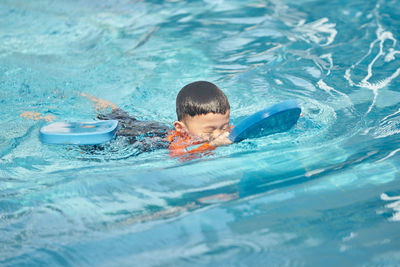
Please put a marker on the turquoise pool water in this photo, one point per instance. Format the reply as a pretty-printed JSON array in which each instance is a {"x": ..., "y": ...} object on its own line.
[{"x": 325, "y": 193}]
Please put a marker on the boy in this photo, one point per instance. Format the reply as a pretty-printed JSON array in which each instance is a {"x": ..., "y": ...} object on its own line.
[{"x": 203, "y": 121}]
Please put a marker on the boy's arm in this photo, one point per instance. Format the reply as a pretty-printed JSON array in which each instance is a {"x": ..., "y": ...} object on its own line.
[
  {"x": 100, "y": 104},
  {"x": 37, "y": 116}
]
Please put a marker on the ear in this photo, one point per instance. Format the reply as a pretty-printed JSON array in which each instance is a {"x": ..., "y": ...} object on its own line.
[{"x": 179, "y": 126}]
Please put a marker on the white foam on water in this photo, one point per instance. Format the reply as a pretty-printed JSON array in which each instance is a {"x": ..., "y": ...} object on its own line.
[
  {"x": 329, "y": 58},
  {"x": 319, "y": 31},
  {"x": 391, "y": 115},
  {"x": 390, "y": 124},
  {"x": 352, "y": 235},
  {"x": 382, "y": 36},
  {"x": 314, "y": 72},
  {"x": 387, "y": 198},
  {"x": 314, "y": 172},
  {"x": 391, "y": 55},
  {"x": 300, "y": 82},
  {"x": 180, "y": 193},
  {"x": 329, "y": 89},
  {"x": 388, "y": 156},
  {"x": 394, "y": 205}
]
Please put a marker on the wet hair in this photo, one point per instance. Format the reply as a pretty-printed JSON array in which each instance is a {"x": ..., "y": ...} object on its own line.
[{"x": 200, "y": 98}]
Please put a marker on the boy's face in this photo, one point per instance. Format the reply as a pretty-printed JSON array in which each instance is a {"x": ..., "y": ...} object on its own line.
[{"x": 208, "y": 126}]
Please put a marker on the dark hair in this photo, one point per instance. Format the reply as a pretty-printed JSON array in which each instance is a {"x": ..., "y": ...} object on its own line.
[{"x": 200, "y": 97}]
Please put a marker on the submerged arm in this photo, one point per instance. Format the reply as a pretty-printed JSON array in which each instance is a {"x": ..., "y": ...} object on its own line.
[
  {"x": 100, "y": 104},
  {"x": 37, "y": 116}
]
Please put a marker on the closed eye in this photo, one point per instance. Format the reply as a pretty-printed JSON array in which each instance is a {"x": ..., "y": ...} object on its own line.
[
  {"x": 226, "y": 127},
  {"x": 209, "y": 129}
]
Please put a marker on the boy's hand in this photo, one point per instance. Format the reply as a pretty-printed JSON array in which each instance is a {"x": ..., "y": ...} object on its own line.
[
  {"x": 221, "y": 140},
  {"x": 100, "y": 104},
  {"x": 37, "y": 116}
]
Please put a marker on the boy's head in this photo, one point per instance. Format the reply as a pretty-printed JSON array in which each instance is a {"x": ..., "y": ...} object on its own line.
[{"x": 202, "y": 110}]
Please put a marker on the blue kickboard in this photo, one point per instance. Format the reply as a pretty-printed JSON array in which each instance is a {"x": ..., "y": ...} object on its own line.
[
  {"x": 275, "y": 119},
  {"x": 79, "y": 133}
]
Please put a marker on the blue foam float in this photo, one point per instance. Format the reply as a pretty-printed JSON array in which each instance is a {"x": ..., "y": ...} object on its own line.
[
  {"x": 275, "y": 119},
  {"x": 79, "y": 133}
]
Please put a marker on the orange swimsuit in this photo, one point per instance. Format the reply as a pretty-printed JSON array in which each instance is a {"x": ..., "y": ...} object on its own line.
[{"x": 182, "y": 144}]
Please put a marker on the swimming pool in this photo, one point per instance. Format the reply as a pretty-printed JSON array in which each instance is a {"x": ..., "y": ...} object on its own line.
[{"x": 325, "y": 193}]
